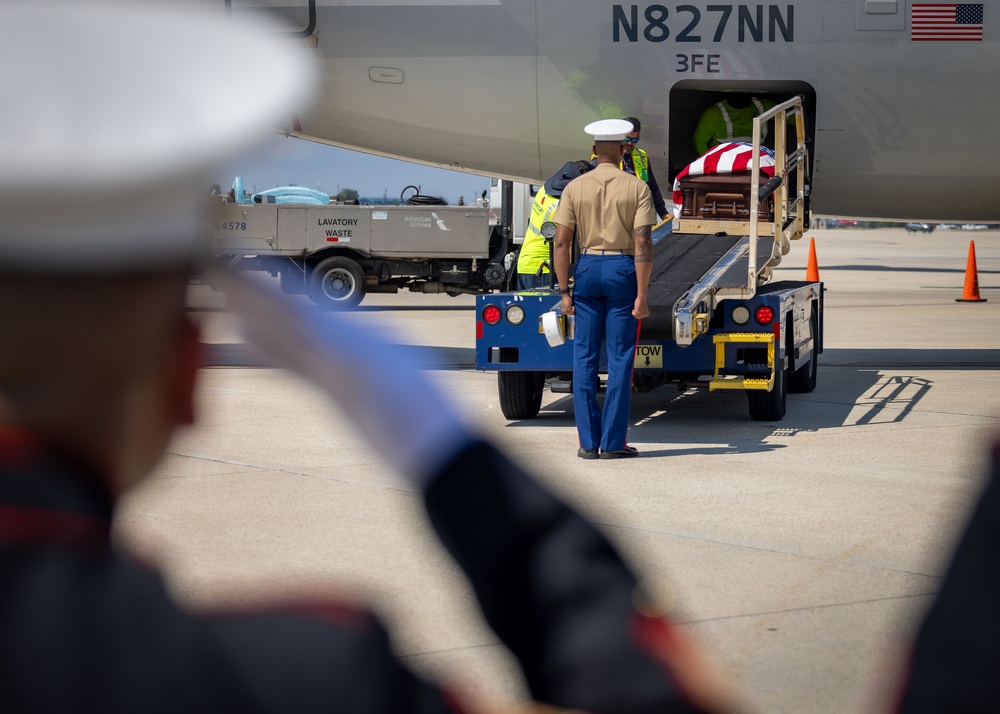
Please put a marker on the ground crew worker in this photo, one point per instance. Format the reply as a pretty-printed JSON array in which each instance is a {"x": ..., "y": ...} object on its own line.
[
  {"x": 535, "y": 255},
  {"x": 612, "y": 214},
  {"x": 102, "y": 203},
  {"x": 730, "y": 120},
  {"x": 636, "y": 162}
]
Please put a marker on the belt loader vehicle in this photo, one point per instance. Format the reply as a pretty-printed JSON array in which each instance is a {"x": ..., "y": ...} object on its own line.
[
  {"x": 336, "y": 254},
  {"x": 716, "y": 321}
]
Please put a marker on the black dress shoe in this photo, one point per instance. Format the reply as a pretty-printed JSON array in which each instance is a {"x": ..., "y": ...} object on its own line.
[
  {"x": 626, "y": 453},
  {"x": 586, "y": 453}
]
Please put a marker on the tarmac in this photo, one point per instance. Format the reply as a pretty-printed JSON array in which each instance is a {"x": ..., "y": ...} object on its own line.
[{"x": 801, "y": 553}]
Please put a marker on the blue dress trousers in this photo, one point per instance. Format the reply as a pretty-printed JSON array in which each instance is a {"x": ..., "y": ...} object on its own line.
[{"x": 604, "y": 294}]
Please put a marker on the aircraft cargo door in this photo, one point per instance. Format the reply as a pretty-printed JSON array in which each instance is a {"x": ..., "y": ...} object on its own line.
[{"x": 688, "y": 99}]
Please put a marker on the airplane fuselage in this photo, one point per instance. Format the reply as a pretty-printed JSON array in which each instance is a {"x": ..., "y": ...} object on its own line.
[{"x": 900, "y": 127}]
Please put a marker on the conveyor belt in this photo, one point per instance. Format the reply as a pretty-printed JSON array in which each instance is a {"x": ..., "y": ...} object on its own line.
[{"x": 679, "y": 261}]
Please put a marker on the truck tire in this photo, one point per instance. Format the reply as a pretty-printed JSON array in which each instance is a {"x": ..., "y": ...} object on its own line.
[
  {"x": 337, "y": 283},
  {"x": 803, "y": 379},
  {"x": 520, "y": 393},
  {"x": 769, "y": 406}
]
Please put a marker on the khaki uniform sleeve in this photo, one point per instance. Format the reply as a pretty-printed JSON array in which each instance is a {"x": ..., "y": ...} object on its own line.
[
  {"x": 645, "y": 214},
  {"x": 565, "y": 212}
]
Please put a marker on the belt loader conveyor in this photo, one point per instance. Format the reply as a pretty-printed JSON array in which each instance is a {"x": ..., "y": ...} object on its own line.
[
  {"x": 716, "y": 321},
  {"x": 689, "y": 269}
]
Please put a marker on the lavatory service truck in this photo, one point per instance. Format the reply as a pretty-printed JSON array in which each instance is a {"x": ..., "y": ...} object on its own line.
[{"x": 337, "y": 253}]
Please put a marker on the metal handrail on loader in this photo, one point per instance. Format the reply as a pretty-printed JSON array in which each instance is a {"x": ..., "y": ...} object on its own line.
[
  {"x": 788, "y": 215},
  {"x": 789, "y": 224},
  {"x": 691, "y": 313}
]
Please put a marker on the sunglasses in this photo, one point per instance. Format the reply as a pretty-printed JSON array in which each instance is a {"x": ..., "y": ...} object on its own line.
[{"x": 630, "y": 140}]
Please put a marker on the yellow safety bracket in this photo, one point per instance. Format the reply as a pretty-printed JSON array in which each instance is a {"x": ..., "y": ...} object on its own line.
[
  {"x": 738, "y": 381},
  {"x": 700, "y": 324}
]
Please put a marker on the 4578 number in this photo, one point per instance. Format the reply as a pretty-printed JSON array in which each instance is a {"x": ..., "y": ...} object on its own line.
[{"x": 230, "y": 225}]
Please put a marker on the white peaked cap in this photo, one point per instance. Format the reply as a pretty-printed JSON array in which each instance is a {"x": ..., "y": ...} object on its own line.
[
  {"x": 114, "y": 115},
  {"x": 609, "y": 129}
]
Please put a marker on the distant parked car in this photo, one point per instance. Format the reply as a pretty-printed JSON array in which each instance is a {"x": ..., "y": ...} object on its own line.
[{"x": 919, "y": 227}]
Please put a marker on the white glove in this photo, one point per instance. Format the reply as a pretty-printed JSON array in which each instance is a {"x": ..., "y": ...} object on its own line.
[{"x": 382, "y": 387}]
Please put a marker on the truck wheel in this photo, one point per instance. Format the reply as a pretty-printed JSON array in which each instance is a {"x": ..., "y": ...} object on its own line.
[
  {"x": 769, "y": 406},
  {"x": 337, "y": 283},
  {"x": 520, "y": 393},
  {"x": 803, "y": 380}
]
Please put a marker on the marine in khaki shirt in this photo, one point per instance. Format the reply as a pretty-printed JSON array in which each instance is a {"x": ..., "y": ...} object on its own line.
[
  {"x": 605, "y": 207},
  {"x": 612, "y": 214}
]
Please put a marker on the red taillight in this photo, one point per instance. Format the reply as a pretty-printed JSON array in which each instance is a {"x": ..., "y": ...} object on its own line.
[
  {"x": 492, "y": 314},
  {"x": 763, "y": 315}
]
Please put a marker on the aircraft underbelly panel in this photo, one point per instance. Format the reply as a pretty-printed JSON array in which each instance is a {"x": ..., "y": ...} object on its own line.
[
  {"x": 438, "y": 111},
  {"x": 504, "y": 89}
]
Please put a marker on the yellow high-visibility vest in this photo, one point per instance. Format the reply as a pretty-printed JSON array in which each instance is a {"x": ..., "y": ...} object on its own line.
[
  {"x": 640, "y": 162},
  {"x": 534, "y": 250}
]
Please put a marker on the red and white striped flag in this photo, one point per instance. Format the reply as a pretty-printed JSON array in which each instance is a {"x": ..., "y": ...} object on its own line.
[
  {"x": 723, "y": 159},
  {"x": 946, "y": 22}
]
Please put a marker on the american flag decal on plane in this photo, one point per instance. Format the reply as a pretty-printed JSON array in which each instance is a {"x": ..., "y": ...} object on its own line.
[{"x": 934, "y": 22}]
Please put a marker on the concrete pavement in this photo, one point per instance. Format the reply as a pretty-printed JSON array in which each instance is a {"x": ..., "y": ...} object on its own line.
[{"x": 801, "y": 552}]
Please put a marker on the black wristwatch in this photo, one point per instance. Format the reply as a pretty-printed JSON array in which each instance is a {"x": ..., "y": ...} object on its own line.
[{"x": 564, "y": 291}]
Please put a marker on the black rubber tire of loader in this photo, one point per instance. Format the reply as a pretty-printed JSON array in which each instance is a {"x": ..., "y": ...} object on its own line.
[
  {"x": 769, "y": 406},
  {"x": 520, "y": 393},
  {"x": 803, "y": 379}
]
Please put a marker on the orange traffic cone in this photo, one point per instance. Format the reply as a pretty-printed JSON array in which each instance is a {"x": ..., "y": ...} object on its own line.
[
  {"x": 812, "y": 270},
  {"x": 971, "y": 291}
]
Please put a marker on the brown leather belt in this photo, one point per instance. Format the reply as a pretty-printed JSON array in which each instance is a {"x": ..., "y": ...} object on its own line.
[{"x": 600, "y": 251}]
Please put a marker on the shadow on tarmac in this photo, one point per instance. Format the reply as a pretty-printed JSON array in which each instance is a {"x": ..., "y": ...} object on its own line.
[
  {"x": 412, "y": 308},
  {"x": 310, "y": 307},
  {"x": 238, "y": 354},
  {"x": 903, "y": 269},
  {"x": 853, "y": 390},
  {"x": 450, "y": 358},
  {"x": 950, "y": 359}
]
